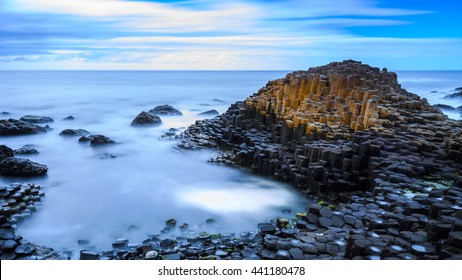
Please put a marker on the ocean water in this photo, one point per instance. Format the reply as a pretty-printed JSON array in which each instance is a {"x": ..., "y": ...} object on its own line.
[
  {"x": 101, "y": 199},
  {"x": 89, "y": 196},
  {"x": 434, "y": 86}
]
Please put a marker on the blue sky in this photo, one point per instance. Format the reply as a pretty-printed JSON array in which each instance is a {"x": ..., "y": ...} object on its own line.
[{"x": 246, "y": 34}]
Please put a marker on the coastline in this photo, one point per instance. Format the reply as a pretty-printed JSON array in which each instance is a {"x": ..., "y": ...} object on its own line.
[{"x": 397, "y": 213}]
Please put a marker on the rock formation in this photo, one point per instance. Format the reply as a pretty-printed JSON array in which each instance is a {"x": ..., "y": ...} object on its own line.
[
  {"x": 349, "y": 134},
  {"x": 144, "y": 119},
  {"x": 165, "y": 110},
  {"x": 18, "y": 127}
]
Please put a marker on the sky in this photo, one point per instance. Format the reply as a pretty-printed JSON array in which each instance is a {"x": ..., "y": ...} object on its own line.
[{"x": 228, "y": 35}]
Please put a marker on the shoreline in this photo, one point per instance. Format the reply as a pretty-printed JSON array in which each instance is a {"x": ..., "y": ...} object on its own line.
[{"x": 384, "y": 164}]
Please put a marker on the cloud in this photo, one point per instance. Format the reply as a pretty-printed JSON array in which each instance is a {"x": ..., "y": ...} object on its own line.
[{"x": 245, "y": 34}]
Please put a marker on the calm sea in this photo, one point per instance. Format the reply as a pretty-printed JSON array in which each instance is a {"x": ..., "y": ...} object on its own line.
[{"x": 101, "y": 199}]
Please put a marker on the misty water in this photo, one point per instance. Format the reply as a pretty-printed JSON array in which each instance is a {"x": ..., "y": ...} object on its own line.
[{"x": 98, "y": 198}]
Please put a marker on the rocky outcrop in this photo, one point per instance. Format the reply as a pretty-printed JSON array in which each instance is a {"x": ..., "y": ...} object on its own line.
[
  {"x": 165, "y": 110},
  {"x": 18, "y": 127},
  {"x": 19, "y": 167},
  {"x": 26, "y": 150},
  {"x": 36, "y": 119},
  {"x": 96, "y": 140},
  {"x": 145, "y": 119},
  {"x": 350, "y": 135},
  {"x": 209, "y": 113},
  {"x": 20, "y": 201},
  {"x": 74, "y": 132}
]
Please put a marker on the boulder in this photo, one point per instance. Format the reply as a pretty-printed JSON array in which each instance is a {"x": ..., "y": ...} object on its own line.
[
  {"x": 26, "y": 150},
  {"x": 5, "y": 152},
  {"x": 96, "y": 140},
  {"x": 18, "y": 127},
  {"x": 74, "y": 132},
  {"x": 209, "y": 113},
  {"x": 68, "y": 118},
  {"x": 21, "y": 167},
  {"x": 36, "y": 119},
  {"x": 444, "y": 107},
  {"x": 165, "y": 110},
  {"x": 144, "y": 119}
]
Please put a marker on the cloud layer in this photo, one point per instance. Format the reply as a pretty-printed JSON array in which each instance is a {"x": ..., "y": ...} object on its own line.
[{"x": 251, "y": 34}]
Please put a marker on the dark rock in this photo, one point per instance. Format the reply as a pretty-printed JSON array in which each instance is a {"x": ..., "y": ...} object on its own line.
[
  {"x": 267, "y": 254},
  {"x": 309, "y": 248},
  {"x": 296, "y": 254},
  {"x": 171, "y": 257},
  {"x": 5, "y": 113},
  {"x": 88, "y": 255},
  {"x": 6, "y": 233},
  {"x": 209, "y": 113},
  {"x": 266, "y": 228},
  {"x": 5, "y": 152},
  {"x": 444, "y": 107},
  {"x": 456, "y": 94},
  {"x": 96, "y": 140},
  {"x": 325, "y": 222},
  {"x": 171, "y": 223},
  {"x": 74, "y": 132},
  {"x": 165, "y": 110},
  {"x": 282, "y": 255},
  {"x": 23, "y": 250},
  {"x": 7, "y": 256},
  {"x": 17, "y": 127},
  {"x": 36, "y": 119},
  {"x": 21, "y": 167},
  {"x": 167, "y": 243},
  {"x": 26, "y": 150},
  {"x": 144, "y": 119},
  {"x": 9, "y": 245},
  {"x": 455, "y": 239},
  {"x": 325, "y": 212},
  {"x": 68, "y": 118},
  {"x": 151, "y": 255}
]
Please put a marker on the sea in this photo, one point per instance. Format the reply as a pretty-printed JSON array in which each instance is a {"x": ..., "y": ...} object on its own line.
[{"x": 99, "y": 198}]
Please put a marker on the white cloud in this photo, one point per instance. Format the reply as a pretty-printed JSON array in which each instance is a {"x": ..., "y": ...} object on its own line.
[{"x": 151, "y": 16}]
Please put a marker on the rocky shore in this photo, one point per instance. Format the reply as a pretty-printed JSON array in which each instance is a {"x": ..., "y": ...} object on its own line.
[
  {"x": 386, "y": 163},
  {"x": 384, "y": 167}
]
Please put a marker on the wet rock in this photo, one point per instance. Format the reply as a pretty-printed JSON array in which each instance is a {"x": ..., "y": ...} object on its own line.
[
  {"x": 23, "y": 250},
  {"x": 74, "y": 132},
  {"x": 36, "y": 119},
  {"x": 444, "y": 107},
  {"x": 268, "y": 255},
  {"x": 171, "y": 223},
  {"x": 266, "y": 228},
  {"x": 68, "y": 118},
  {"x": 88, "y": 255},
  {"x": 165, "y": 110},
  {"x": 171, "y": 257},
  {"x": 209, "y": 113},
  {"x": 6, "y": 152},
  {"x": 144, "y": 119},
  {"x": 26, "y": 150},
  {"x": 18, "y": 127},
  {"x": 21, "y": 167},
  {"x": 151, "y": 255},
  {"x": 97, "y": 140},
  {"x": 9, "y": 245},
  {"x": 6, "y": 233},
  {"x": 296, "y": 254},
  {"x": 282, "y": 255},
  {"x": 455, "y": 239}
]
